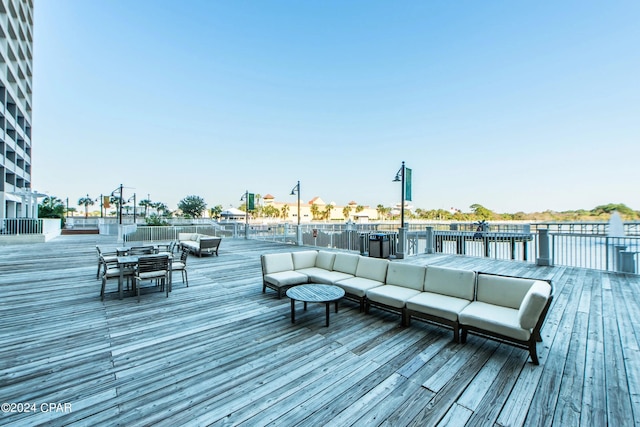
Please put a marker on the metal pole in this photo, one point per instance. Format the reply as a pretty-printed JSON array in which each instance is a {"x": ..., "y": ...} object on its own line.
[
  {"x": 134, "y": 208},
  {"x": 246, "y": 214},
  {"x": 402, "y": 201},
  {"x": 120, "y": 207}
]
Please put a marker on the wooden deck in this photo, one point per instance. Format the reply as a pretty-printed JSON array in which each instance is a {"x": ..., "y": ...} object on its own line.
[{"x": 223, "y": 353}]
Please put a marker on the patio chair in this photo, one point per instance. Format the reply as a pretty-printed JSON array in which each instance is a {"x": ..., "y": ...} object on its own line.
[
  {"x": 181, "y": 265},
  {"x": 104, "y": 256},
  {"x": 112, "y": 271},
  {"x": 153, "y": 267}
]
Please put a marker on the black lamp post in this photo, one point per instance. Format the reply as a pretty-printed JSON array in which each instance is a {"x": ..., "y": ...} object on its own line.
[
  {"x": 296, "y": 190},
  {"x": 245, "y": 198},
  {"x": 400, "y": 178}
]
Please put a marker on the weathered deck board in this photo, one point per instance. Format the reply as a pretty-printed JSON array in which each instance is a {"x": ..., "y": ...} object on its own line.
[{"x": 221, "y": 352}]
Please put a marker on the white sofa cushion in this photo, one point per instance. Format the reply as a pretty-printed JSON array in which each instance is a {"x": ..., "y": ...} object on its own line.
[
  {"x": 391, "y": 295},
  {"x": 450, "y": 281},
  {"x": 285, "y": 278},
  {"x": 325, "y": 260},
  {"x": 274, "y": 263},
  {"x": 502, "y": 291},
  {"x": 494, "y": 318},
  {"x": 320, "y": 275},
  {"x": 533, "y": 304},
  {"x": 434, "y": 304},
  {"x": 304, "y": 259},
  {"x": 186, "y": 236},
  {"x": 406, "y": 275},
  {"x": 346, "y": 263},
  {"x": 372, "y": 268},
  {"x": 358, "y": 286}
]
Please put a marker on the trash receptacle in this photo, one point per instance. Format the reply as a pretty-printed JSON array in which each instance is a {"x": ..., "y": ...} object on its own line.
[{"x": 379, "y": 245}]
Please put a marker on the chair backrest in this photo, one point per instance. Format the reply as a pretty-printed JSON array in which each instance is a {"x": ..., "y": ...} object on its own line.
[
  {"x": 151, "y": 263},
  {"x": 184, "y": 255},
  {"x": 141, "y": 250},
  {"x": 172, "y": 246}
]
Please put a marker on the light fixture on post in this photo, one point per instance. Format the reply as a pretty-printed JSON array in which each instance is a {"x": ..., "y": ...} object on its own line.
[
  {"x": 245, "y": 197},
  {"x": 400, "y": 178},
  {"x": 296, "y": 190}
]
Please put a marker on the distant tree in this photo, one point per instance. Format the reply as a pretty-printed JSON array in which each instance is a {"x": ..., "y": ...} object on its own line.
[
  {"x": 270, "y": 211},
  {"x": 215, "y": 211},
  {"x": 155, "y": 219},
  {"x": 326, "y": 214},
  {"x": 161, "y": 208},
  {"x": 481, "y": 212},
  {"x": 192, "y": 206},
  {"x": 284, "y": 211},
  {"x": 51, "y": 207},
  {"x": 346, "y": 212},
  {"x": 146, "y": 204},
  {"x": 315, "y": 211},
  {"x": 611, "y": 207},
  {"x": 359, "y": 208},
  {"x": 86, "y": 202}
]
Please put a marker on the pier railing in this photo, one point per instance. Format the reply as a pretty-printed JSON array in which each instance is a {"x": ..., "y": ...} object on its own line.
[{"x": 584, "y": 245}]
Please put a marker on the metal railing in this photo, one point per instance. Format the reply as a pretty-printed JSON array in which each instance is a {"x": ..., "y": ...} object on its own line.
[
  {"x": 148, "y": 233},
  {"x": 17, "y": 226}
]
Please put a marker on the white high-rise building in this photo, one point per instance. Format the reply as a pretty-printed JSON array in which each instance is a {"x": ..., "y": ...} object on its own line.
[{"x": 17, "y": 200}]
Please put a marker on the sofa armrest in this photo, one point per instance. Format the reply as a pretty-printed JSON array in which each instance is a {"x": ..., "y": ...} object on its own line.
[{"x": 534, "y": 304}]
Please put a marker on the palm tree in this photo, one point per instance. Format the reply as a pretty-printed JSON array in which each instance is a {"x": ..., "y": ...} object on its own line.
[
  {"x": 346, "y": 212},
  {"x": 315, "y": 211},
  {"x": 284, "y": 211},
  {"x": 146, "y": 204},
  {"x": 86, "y": 202}
]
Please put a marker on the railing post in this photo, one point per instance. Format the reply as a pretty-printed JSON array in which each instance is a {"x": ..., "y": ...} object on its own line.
[
  {"x": 544, "y": 252},
  {"x": 430, "y": 247},
  {"x": 402, "y": 236}
]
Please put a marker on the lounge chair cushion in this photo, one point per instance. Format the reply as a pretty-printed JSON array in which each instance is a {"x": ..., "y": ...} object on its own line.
[
  {"x": 494, "y": 318},
  {"x": 406, "y": 276},
  {"x": 358, "y": 286},
  {"x": 285, "y": 278},
  {"x": 304, "y": 259},
  {"x": 325, "y": 260},
  {"x": 391, "y": 295},
  {"x": 502, "y": 291},
  {"x": 274, "y": 263},
  {"x": 372, "y": 268},
  {"x": 450, "y": 281},
  {"x": 435, "y": 304},
  {"x": 533, "y": 304},
  {"x": 346, "y": 263}
]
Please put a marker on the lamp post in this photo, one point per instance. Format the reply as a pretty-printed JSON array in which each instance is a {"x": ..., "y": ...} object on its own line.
[
  {"x": 400, "y": 177},
  {"x": 245, "y": 198},
  {"x": 296, "y": 190}
]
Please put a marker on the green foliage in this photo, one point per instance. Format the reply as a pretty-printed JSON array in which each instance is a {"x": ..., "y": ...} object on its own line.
[
  {"x": 270, "y": 211},
  {"x": 215, "y": 211},
  {"x": 611, "y": 207},
  {"x": 481, "y": 212},
  {"x": 52, "y": 207},
  {"x": 192, "y": 206},
  {"x": 155, "y": 219}
]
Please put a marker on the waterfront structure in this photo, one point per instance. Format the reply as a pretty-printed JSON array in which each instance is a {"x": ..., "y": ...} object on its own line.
[{"x": 16, "y": 94}]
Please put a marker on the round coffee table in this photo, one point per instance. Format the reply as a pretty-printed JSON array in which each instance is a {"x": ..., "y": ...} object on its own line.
[{"x": 314, "y": 292}]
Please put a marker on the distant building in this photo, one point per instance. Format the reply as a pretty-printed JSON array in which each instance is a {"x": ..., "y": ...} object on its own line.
[
  {"x": 16, "y": 94},
  {"x": 318, "y": 206}
]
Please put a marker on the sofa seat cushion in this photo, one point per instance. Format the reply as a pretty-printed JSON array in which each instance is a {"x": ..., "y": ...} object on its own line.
[
  {"x": 190, "y": 244},
  {"x": 358, "y": 286},
  {"x": 391, "y": 295},
  {"x": 320, "y": 275},
  {"x": 286, "y": 278},
  {"x": 439, "y": 305},
  {"x": 494, "y": 318}
]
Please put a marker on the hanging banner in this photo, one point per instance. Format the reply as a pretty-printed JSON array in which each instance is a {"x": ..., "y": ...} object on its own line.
[
  {"x": 105, "y": 202},
  {"x": 251, "y": 203},
  {"x": 407, "y": 184}
]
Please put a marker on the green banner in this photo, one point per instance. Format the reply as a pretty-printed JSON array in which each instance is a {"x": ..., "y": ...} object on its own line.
[
  {"x": 251, "y": 204},
  {"x": 407, "y": 184}
]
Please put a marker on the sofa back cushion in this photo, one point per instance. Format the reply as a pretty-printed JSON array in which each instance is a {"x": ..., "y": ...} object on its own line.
[
  {"x": 503, "y": 291},
  {"x": 304, "y": 259},
  {"x": 324, "y": 260},
  {"x": 275, "y": 263},
  {"x": 186, "y": 236},
  {"x": 346, "y": 263},
  {"x": 406, "y": 275},
  {"x": 533, "y": 304},
  {"x": 372, "y": 268},
  {"x": 450, "y": 281}
]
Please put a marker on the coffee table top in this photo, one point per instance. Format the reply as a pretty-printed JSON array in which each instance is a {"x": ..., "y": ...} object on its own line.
[{"x": 314, "y": 292}]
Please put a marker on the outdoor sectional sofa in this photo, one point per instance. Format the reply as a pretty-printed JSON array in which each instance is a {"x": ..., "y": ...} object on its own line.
[
  {"x": 199, "y": 243},
  {"x": 507, "y": 309}
]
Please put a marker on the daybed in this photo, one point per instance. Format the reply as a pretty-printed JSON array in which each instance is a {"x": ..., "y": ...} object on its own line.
[
  {"x": 503, "y": 308},
  {"x": 199, "y": 243}
]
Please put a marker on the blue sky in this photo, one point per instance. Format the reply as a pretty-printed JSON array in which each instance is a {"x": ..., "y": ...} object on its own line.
[{"x": 518, "y": 106}]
